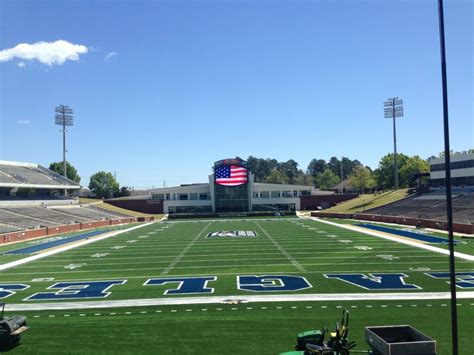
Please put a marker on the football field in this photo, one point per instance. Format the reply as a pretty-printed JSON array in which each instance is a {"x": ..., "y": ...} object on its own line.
[{"x": 230, "y": 286}]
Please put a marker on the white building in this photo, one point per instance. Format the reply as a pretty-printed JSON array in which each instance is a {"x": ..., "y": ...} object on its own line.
[
  {"x": 462, "y": 170},
  {"x": 244, "y": 197}
]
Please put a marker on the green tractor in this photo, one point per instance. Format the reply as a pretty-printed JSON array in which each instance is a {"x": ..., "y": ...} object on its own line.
[{"x": 313, "y": 341}]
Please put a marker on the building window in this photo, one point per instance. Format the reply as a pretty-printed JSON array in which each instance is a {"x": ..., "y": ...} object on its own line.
[
  {"x": 255, "y": 194},
  {"x": 264, "y": 194},
  {"x": 193, "y": 196},
  {"x": 158, "y": 196},
  {"x": 204, "y": 196},
  {"x": 287, "y": 194},
  {"x": 168, "y": 197},
  {"x": 275, "y": 194},
  {"x": 182, "y": 197}
]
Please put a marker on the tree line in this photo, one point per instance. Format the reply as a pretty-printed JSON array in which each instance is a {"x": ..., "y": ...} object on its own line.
[
  {"x": 326, "y": 174},
  {"x": 319, "y": 173}
]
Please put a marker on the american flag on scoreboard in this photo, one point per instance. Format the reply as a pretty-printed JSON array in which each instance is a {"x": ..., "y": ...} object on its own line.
[{"x": 230, "y": 175}]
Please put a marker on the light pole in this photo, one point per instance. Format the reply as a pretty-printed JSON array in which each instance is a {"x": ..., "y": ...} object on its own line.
[
  {"x": 393, "y": 108},
  {"x": 64, "y": 117},
  {"x": 447, "y": 165}
]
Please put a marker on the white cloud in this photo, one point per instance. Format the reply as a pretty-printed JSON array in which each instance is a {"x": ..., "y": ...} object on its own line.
[
  {"x": 21, "y": 64},
  {"x": 49, "y": 53},
  {"x": 110, "y": 55},
  {"x": 23, "y": 122}
]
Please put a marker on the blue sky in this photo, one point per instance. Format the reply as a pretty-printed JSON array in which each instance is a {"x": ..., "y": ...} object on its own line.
[{"x": 168, "y": 87}]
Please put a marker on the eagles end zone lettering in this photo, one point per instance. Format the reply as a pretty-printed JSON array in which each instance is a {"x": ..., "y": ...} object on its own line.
[
  {"x": 77, "y": 290},
  {"x": 272, "y": 283},
  {"x": 466, "y": 279},
  {"x": 186, "y": 286},
  {"x": 375, "y": 281},
  {"x": 6, "y": 290}
]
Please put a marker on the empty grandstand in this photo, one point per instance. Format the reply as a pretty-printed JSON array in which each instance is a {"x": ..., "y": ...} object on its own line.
[
  {"x": 432, "y": 205},
  {"x": 32, "y": 203},
  {"x": 27, "y": 175}
]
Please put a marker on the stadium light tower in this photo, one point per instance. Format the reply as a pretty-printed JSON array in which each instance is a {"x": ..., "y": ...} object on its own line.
[
  {"x": 393, "y": 108},
  {"x": 64, "y": 117}
]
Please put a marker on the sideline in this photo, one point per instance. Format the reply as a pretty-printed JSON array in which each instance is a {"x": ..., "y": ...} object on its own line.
[
  {"x": 395, "y": 239},
  {"x": 16, "y": 307},
  {"x": 69, "y": 247}
]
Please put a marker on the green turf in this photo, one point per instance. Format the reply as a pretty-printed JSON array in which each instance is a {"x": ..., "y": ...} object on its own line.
[
  {"x": 283, "y": 246},
  {"x": 252, "y": 328}
]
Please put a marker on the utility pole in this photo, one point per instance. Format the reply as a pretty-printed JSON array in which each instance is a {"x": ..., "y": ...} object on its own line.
[
  {"x": 393, "y": 108},
  {"x": 64, "y": 117}
]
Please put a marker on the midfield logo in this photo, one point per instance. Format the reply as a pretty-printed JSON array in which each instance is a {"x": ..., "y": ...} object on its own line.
[{"x": 232, "y": 234}]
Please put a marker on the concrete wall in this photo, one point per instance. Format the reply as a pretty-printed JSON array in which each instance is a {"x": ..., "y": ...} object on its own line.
[{"x": 139, "y": 205}]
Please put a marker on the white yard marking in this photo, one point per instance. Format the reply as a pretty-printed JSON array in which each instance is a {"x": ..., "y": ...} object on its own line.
[
  {"x": 185, "y": 250},
  {"x": 345, "y": 241},
  {"x": 117, "y": 247},
  {"x": 387, "y": 257},
  {"x": 74, "y": 266},
  {"x": 131, "y": 241},
  {"x": 14, "y": 307},
  {"x": 99, "y": 255},
  {"x": 420, "y": 268},
  {"x": 363, "y": 247},
  {"x": 295, "y": 263},
  {"x": 42, "y": 279}
]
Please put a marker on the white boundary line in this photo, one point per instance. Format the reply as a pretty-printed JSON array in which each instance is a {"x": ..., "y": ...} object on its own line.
[
  {"x": 295, "y": 263},
  {"x": 69, "y": 247},
  {"x": 184, "y": 251},
  {"x": 242, "y": 298},
  {"x": 396, "y": 239}
]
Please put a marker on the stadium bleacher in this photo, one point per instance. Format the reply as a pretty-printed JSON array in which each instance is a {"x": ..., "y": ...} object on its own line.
[
  {"x": 28, "y": 175},
  {"x": 20, "y": 218},
  {"x": 432, "y": 205}
]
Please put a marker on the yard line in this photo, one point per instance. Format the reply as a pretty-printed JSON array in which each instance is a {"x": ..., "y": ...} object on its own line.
[
  {"x": 185, "y": 250},
  {"x": 280, "y": 248}
]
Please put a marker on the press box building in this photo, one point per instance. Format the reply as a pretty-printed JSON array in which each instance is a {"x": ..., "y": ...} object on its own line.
[{"x": 232, "y": 188}]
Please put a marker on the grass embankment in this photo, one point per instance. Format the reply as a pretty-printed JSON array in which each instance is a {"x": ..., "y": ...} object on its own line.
[{"x": 368, "y": 201}]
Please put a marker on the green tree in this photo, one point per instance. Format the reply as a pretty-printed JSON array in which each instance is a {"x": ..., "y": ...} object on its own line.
[
  {"x": 304, "y": 179},
  {"x": 290, "y": 169},
  {"x": 361, "y": 178},
  {"x": 326, "y": 179},
  {"x": 71, "y": 171},
  {"x": 104, "y": 185},
  {"x": 277, "y": 177},
  {"x": 124, "y": 191},
  {"x": 413, "y": 165},
  {"x": 384, "y": 173},
  {"x": 316, "y": 166}
]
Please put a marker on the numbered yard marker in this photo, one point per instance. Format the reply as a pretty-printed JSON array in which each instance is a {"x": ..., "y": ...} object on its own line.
[
  {"x": 363, "y": 247},
  {"x": 99, "y": 255},
  {"x": 387, "y": 257},
  {"x": 74, "y": 266}
]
